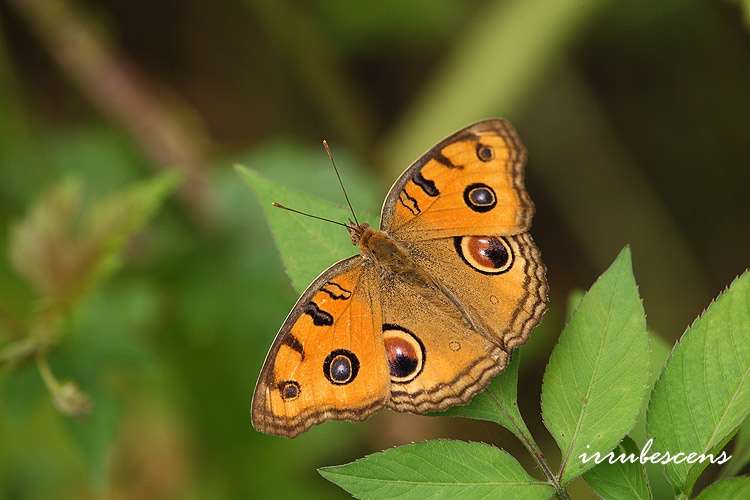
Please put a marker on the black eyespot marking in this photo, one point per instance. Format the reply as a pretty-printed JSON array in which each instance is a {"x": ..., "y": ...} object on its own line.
[
  {"x": 480, "y": 197},
  {"x": 402, "y": 363},
  {"x": 427, "y": 185},
  {"x": 289, "y": 390},
  {"x": 341, "y": 367},
  {"x": 405, "y": 353},
  {"x": 319, "y": 316},
  {"x": 485, "y": 153},
  {"x": 486, "y": 254}
]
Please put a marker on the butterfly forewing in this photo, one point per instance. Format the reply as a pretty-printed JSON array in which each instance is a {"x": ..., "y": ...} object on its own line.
[
  {"x": 327, "y": 361},
  {"x": 470, "y": 182}
]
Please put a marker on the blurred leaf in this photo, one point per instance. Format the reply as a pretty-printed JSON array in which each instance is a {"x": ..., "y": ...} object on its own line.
[
  {"x": 728, "y": 489},
  {"x": 598, "y": 373},
  {"x": 307, "y": 246},
  {"x": 42, "y": 247},
  {"x": 64, "y": 253},
  {"x": 703, "y": 394},
  {"x": 37, "y": 456},
  {"x": 440, "y": 468},
  {"x": 490, "y": 69},
  {"x": 377, "y": 26},
  {"x": 109, "y": 351},
  {"x": 498, "y": 402},
  {"x": 94, "y": 434},
  {"x": 620, "y": 481},
  {"x": 116, "y": 219},
  {"x": 78, "y": 152}
]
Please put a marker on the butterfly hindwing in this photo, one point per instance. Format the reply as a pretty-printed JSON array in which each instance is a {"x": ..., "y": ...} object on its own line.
[
  {"x": 500, "y": 279},
  {"x": 489, "y": 293},
  {"x": 327, "y": 361},
  {"x": 436, "y": 360},
  {"x": 470, "y": 183}
]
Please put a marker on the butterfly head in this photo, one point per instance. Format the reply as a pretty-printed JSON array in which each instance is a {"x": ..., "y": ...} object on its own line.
[{"x": 357, "y": 231}]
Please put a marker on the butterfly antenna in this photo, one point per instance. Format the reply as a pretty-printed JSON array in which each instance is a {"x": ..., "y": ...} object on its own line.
[
  {"x": 279, "y": 205},
  {"x": 341, "y": 183}
]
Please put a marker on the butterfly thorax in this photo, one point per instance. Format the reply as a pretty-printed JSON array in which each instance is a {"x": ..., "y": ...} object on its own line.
[
  {"x": 380, "y": 248},
  {"x": 395, "y": 262}
]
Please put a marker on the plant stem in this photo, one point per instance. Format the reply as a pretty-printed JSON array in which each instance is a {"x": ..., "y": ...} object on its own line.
[
  {"x": 521, "y": 431},
  {"x": 306, "y": 51},
  {"x": 458, "y": 93},
  {"x": 533, "y": 448},
  {"x": 18, "y": 350},
  {"x": 47, "y": 376},
  {"x": 14, "y": 123}
]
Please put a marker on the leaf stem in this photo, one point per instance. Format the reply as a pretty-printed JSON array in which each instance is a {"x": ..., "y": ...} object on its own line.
[
  {"x": 50, "y": 381},
  {"x": 533, "y": 448},
  {"x": 18, "y": 350},
  {"x": 521, "y": 431}
]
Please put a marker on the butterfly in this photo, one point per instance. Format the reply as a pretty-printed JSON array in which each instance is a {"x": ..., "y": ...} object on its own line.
[{"x": 430, "y": 309}]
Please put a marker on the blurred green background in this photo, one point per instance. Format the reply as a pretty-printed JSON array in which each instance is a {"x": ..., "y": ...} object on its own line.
[{"x": 635, "y": 115}]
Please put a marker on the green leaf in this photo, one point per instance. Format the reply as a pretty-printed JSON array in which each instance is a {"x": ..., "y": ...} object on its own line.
[
  {"x": 740, "y": 452},
  {"x": 574, "y": 300},
  {"x": 598, "y": 373},
  {"x": 659, "y": 352},
  {"x": 308, "y": 170},
  {"x": 660, "y": 486},
  {"x": 620, "y": 481},
  {"x": 703, "y": 394},
  {"x": 441, "y": 469},
  {"x": 307, "y": 246},
  {"x": 498, "y": 402},
  {"x": 729, "y": 489}
]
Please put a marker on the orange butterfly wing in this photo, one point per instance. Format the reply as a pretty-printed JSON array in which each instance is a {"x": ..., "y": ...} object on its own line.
[
  {"x": 501, "y": 279},
  {"x": 436, "y": 360},
  {"x": 468, "y": 184},
  {"x": 429, "y": 336},
  {"x": 327, "y": 361}
]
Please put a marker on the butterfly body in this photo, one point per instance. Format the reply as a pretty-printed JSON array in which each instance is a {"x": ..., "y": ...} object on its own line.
[
  {"x": 432, "y": 306},
  {"x": 380, "y": 249}
]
